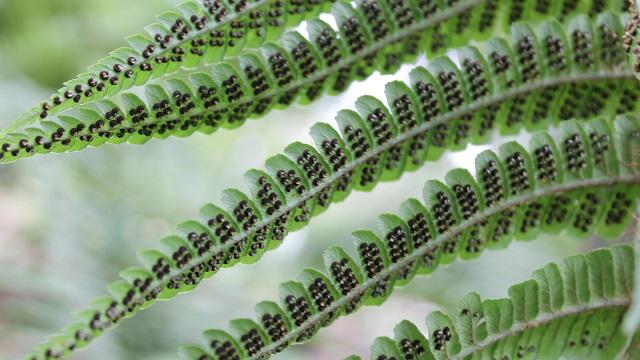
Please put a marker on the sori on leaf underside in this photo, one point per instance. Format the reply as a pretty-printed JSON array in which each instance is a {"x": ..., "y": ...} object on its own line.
[
  {"x": 540, "y": 76},
  {"x": 571, "y": 310},
  {"x": 197, "y": 32},
  {"x": 371, "y": 35},
  {"x": 578, "y": 180}
]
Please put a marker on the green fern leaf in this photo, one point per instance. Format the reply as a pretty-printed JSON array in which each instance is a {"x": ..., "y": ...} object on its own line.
[
  {"x": 374, "y": 35},
  {"x": 516, "y": 192},
  {"x": 197, "y": 32},
  {"x": 547, "y": 317},
  {"x": 305, "y": 180}
]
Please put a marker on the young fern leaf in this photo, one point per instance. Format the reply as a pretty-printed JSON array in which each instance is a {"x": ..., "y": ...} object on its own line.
[
  {"x": 571, "y": 310},
  {"x": 305, "y": 180},
  {"x": 373, "y": 35},
  {"x": 196, "y": 32},
  {"x": 581, "y": 181}
]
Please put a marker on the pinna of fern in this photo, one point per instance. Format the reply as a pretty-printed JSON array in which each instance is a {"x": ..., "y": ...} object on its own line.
[
  {"x": 283, "y": 198},
  {"x": 563, "y": 184},
  {"x": 571, "y": 310},
  {"x": 373, "y": 35},
  {"x": 195, "y": 33}
]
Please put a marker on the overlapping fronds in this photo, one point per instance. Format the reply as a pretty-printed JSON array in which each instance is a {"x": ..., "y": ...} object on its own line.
[
  {"x": 581, "y": 181},
  {"x": 372, "y": 35},
  {"x": 571, "y": 310},
  {"x": 536, "y": 79}
]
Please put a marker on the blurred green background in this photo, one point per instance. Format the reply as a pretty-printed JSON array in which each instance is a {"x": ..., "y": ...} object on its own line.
[{"x": 69, "y": 223}]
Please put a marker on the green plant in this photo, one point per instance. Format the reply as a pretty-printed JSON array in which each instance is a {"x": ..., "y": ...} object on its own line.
[
  {"x": 558, "y": 70},
  {"x": 539, "y": 192},
  {"x": 553, "y": 317}
]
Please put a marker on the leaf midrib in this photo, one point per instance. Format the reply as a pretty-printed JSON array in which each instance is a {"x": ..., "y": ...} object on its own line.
[
  {"x": 542, "y": 320},
  {"x": 454, "y": 231}
]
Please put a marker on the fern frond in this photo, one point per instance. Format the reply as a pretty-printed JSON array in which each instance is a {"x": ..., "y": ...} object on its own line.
[
  {"x": 426, "y": 117},
  {"x": 374, "y": 35},
  {"x": 571, "y": 310},
  {"x": 579, "y": 183},
  {"x": 196, "y": 32}
]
